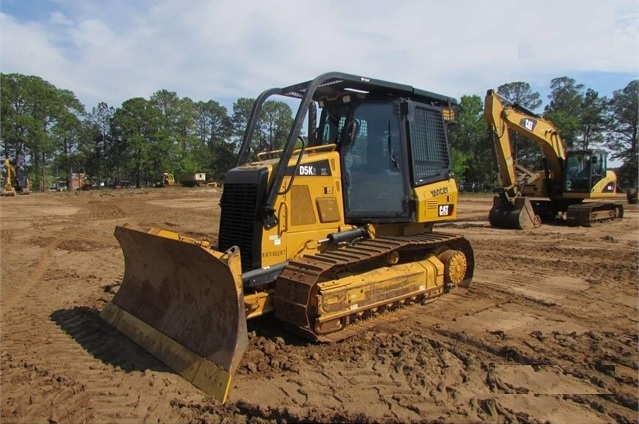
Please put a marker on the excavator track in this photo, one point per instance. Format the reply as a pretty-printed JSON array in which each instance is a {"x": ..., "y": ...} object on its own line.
[
  {"x": 586, "y": 214},
  {"x": 367, "y": 278}
]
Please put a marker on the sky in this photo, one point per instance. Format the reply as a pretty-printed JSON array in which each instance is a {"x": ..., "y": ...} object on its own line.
[{"x": 114, "y": 50}]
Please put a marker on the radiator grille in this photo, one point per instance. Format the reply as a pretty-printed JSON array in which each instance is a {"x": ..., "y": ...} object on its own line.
[{"x": 239, "y": 223}]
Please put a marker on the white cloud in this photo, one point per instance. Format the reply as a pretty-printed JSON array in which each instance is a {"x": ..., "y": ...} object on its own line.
[{"x": 226, "y": 49}]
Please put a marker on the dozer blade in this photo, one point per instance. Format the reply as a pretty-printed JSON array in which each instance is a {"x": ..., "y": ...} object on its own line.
[
  {"x": 518, "y": 215},
  {"x": 183, "y": 303}
]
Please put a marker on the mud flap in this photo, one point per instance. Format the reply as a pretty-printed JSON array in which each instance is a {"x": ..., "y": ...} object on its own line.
[
  {"x": 518, "y": 215},
  {"x": 184, "y": 304}
]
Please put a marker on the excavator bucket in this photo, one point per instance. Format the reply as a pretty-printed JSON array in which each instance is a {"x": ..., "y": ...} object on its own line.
[
  {"x": 182, "y": 302},
  {"x": 518, "y": 214}
]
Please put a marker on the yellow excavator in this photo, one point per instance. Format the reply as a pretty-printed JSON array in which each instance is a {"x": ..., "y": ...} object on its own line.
[
  {"x": 557, "y": 193},
  {"x": 14, "y": 183},
  {"x": 326, "y": 234}
]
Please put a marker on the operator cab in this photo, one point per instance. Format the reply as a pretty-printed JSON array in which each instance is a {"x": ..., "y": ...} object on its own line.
[
  {"x": 388, "y": 146},
  {"x": 584, "y": 168},
  {"x": 391, "y": 138}
]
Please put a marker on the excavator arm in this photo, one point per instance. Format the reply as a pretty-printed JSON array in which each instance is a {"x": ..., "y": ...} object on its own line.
[
  {"x": 8, "y": 188},
  {"x": 511, "y": 209},
  {"x": 13, "y": 183}
]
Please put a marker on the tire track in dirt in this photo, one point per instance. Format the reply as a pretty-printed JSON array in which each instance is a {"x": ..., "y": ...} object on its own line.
[
  {"x": 391, "y": 367},
  {"x": 529, "y": 288},
  {"x": 407, "y": 369},
  {"x": 104, "y": 376},
  {"x": 105, "y": 210},
  {"x": 62, "y": 240},
  {"x": 496, "y": 305},
  {"x": 488, "y": 353},
  {"x": 95, "y": 389},
  {"x": 98, "y": 360},
  {"x": 103, "y": 371},
  {"x": 100, "y": 210},
  {"x": 591, "y": 364},
  {"x": 22, "y": 289},
  {"x": 105, "y": 363}
]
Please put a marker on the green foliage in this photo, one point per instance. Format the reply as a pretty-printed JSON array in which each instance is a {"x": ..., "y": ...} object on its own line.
[
  {"x": 241, "y": 113},
  {"x": 38, "y": 122},
  {"x": 460, "y": 161},
  {"x": 623, "y": 131},
  {"x": 98, "y": 145},
  {"x": 472, "y": 149},
  {"x": 592, "y": 118},
  {"x": 47, "y": 133},
  {"x": 275, "y": 122},
  {"x": 140, "y": 130},
  {"x": 271, "y": 129},
  {"x": 563, "y": 110},
  {"x": 214, "y": 131},
  {"x": 578, "y": 113},
  {"x": 520, "y": 92}
]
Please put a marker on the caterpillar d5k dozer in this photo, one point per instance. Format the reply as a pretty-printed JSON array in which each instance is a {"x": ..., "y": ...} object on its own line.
[
  {"x": 326, "y": 233},
  {"x": 556, "y": 194}
]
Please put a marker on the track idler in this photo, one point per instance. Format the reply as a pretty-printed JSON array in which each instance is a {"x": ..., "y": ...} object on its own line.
[{"x": 517, "y": 214}]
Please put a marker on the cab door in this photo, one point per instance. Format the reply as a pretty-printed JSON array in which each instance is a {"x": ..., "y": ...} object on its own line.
[{"x": 374, "y": 182}]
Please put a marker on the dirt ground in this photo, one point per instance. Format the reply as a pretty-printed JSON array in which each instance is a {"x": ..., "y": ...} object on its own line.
[{"x": 547, "y": 332}]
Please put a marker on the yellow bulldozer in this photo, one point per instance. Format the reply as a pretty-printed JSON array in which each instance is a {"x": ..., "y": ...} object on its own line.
[{"x": 325, "y": 234}]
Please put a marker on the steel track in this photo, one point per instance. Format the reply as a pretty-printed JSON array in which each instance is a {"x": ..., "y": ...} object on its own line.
[{"x": 297, "y": 282}]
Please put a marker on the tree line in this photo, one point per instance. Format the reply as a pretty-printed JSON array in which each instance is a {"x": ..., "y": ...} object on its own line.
[{"x": 48, "y": 134}]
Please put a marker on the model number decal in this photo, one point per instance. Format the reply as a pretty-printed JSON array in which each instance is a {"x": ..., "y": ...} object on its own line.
[
  {"x": 439, "y": 191},
  {"x": 445, "y": 210},
  {"x": 307, "y": 170},
  {"x": 320, "y": 168}
]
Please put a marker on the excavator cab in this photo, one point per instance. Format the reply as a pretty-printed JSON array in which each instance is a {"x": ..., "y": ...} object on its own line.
[{"x": 584, "y": 169}]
